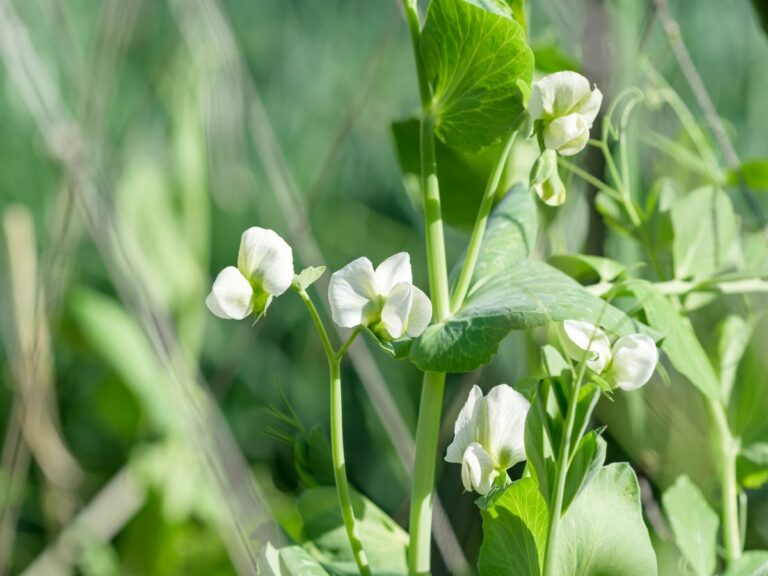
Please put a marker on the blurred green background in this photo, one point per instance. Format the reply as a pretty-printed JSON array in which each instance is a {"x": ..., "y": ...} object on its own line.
[{"x": 139, "y": 138}]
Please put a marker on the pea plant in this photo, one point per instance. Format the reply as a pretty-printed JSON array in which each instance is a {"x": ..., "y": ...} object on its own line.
[{"x": 566, "y": 511}]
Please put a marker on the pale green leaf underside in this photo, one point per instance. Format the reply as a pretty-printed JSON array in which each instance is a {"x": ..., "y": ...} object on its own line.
[
  {"x": 706, "y": 234},
  {"x": 474, "y": 58},
  {"x": 752, "y": 563},
  {"x": 693, "y": 523},
  {"x": 384, "y": 541},
  {"x": 510, "y": 291},
  {"x": 514, "y": 532},
  {"x": 603, "y": 533}
]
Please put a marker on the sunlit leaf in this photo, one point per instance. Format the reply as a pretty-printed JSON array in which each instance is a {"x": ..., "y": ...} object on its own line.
[
  {"x": 603, "y": 532},
  {"x": 510, "y": 291},
  {"x": 479, "y": 64},
  {"x": 514, "y": 532},
  {"x": 706, "y": 234},
  {"x": 693, "y": 523},
  {"x": 751, "y": 563},
  {"x": 384, "y": 541}
]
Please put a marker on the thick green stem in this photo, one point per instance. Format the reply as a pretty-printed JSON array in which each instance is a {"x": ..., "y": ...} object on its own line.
[
  {"x": 433, "y": 221},
  {"x": 337, "y": 435},
  {"x": 476, "y": 240},
  {"x": 726, "y": 452},
  {"x": 422, "y": 492},
  {"x": 555, "y": 511},
  {"x": 431, "y": 404}
]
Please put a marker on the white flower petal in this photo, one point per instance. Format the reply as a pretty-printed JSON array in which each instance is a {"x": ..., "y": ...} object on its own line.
[
  {"x": 420, "y": 314},
  {"x": 567, "y": 134},
  {"x": 465, "y": 428},
  {"x": 231, "y": 296},
  {"x": 634, "y": 360},
  {"x": 503, "y": 425},
  {"x": 477, "y": 471},
  {"x": 582, "y": 336},
  {"x": 393, "y": 271},
  {"x": 266, "y": 259},
  {"x": 557, "y": 95},
  {"x": 352, "y": 294},
  {"x": 394, "y": 314},
  {"x": 590, "y": 106}
]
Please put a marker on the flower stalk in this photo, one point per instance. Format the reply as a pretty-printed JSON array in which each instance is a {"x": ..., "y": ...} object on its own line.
[
  {"x": 483, "y": 213},
  {"x": 337, "y": 434}
]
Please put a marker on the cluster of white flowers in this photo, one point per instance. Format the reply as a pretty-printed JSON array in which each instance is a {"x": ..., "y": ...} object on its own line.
[
  {"x": 563, "y": 108},
  {"x": 384, "y": 300},
  {"x": 627, "y": 365},
  {"x": 489, "y": 434}
]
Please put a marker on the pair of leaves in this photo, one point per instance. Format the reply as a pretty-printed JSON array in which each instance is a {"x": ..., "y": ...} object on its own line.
[
  {"x": 510, "y": 290},
  {"x": 602, "y": 533}
]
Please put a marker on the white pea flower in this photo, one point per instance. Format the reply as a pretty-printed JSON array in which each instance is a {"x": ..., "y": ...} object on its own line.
[
  {"x": 627, "y": 365},
  {"x": 384, "y": 300},
  {"x": 264, "y": 270},
  {"x": 489, "y": 436},
  {"x": 567, "y": 108}
]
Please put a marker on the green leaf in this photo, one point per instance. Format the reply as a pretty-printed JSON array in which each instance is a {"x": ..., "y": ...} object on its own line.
[
  {"x": 514, "y": 532},
  {"x": 694, "y": 525},
  {"x": 755, "y": 174},
  {"x": 510, "y": 291},
  {"x": 477, "y": 59},
  {"x": 748, "y": 404},
  {"x": 752, "y": 465},
  {"x": 603, "y": 532},
  {"x": 307, "y": 277},
  {"x": 733, "y": 338},
  {"x": 587, "y": 460},
  {"x": 680, "y": 343},
  {"x": 589, "y": 394},
  {"x": 539, "y": 459},
  {"x": 287, "y": 561},
  {"x": 706, "y": 234},
  {"x": 752, "y": 563},
  {"x": 385, "y": 543},
  {"x": 587, "y": 269},
  {"x": 462, "y": 175}
]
